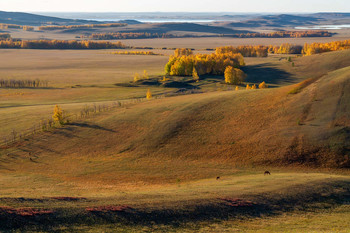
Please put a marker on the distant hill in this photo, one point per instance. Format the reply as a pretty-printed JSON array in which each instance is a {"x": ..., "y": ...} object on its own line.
[
  {"x": 20, "y": 18},
  {"x": 277, "y": 21}
]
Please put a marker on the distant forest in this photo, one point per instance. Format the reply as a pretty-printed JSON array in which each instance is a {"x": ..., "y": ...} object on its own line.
[{"x": 144, "y": 35}]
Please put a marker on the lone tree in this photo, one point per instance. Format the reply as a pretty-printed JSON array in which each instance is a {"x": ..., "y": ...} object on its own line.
[
  {"x": 237, "y": 88},
  {"x": 149, "y": 94},
  {"x": 262, "y": 85},
  {"x": 195, "y": 75},
  {"x": 229, "y": 75},
  {"x": 145, "y": 74},
  {"x": 136, "y": 77},
  {"x": 58, "y": 115},
  {"x": 247, "y": 87}
]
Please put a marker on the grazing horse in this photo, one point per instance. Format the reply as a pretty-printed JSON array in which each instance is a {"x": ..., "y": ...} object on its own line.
[
  {"x": 267, "y": 173},
  {"x": 218, "y": 178}
]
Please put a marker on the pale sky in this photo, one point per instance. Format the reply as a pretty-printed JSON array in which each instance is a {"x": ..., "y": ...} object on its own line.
[{"x": 176, "y": 5}]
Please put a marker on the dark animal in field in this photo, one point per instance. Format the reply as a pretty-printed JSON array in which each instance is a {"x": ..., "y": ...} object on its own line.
[
  {"x": 31, "y": 160},
  {"x": 267, "y": 173},
  {"x": 218, "y": 178}
]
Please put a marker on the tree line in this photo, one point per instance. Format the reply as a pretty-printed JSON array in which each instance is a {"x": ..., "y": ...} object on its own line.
[
  {"x": 85, "y": 26},
  {"x": 136, "y": 53},
  {"x": 127, "y": 35},
  {"x": 245, "y": 50},
  {"x": 282, "y": 34},
  {"x": 214, "y": 64},
  {"x": 143, "y": 35},
  {"x": 13, "y": 83},
  {"x": 5, "y": 26},
  {"x": 59, "y": 44},
  {"x": 5, "y": 36},
  {"x": 315, "y": 48}
]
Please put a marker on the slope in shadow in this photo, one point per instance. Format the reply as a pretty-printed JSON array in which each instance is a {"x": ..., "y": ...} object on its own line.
[{"x": 267, "y": 73}]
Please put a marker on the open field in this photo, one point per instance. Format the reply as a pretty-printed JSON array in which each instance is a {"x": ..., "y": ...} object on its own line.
[
  {"x": 152, "y": 165},
  {"x": 209, "y": 42}
]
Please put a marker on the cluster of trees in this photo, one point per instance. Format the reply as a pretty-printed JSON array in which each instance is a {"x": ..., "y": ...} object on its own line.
[
  {"x": 234, "y": 75},
  {"x": 127, "y": 35},
  {"x": 13, "y": 83},
  {"x": 136, "y": 53},
  {"x": 260, "y": 50},
  {"x": 203, "y": 64},
  {"x": 285, "y": 34},
  {"x": 138, "y": 77},
  {"x": 182, "y": 52},
  {"x": 314, "y": 48},
  {"x": 142, "y": 35},
  {"x": 5, "y": 36},
  {"x": 59, "y": 44},
  {"x": 14, "y": 26},
  {"x": 245, "y": 50},
  {"x": 86, "y": 26},
  {"x": 262, "y": 85},
  {"x": 285, "y": 49}
]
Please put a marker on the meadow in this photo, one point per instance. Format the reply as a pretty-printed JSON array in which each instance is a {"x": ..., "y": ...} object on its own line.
[{"x": 152, "y": 164}]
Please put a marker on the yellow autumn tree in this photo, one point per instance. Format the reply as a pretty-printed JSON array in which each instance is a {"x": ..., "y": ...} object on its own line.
[
  {"x": 149, "y": 94},
  {"x": 136, "y": 77},
  {"x": 195, "y": 75},
  {"x": 145, "y": 74},
  {"x": 247, "y": 87},
  {"x": 58, "y": 115},
  {"x": 229, "y": 75},
  {"x": 237, "y": 88},
  {"x": 262, "y": 85},
  {"x": 253, "y": 87}
]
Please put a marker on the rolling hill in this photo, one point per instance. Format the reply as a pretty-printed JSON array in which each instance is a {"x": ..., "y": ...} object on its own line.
[
  {"x": 21, "y": 18},
  {"x": 153, "y": 165}
]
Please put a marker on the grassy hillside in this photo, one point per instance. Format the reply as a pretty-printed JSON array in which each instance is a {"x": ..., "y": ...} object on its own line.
[
  {"x": 21, "y": 18},
  {"x": 153, "y": 165}
]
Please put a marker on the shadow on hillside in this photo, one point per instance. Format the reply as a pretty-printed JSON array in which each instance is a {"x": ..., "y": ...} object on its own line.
[
  {"x": 296, "y": 197},
  {"x": 84, "y": 125},
  {"x": 267, "y": 73}
]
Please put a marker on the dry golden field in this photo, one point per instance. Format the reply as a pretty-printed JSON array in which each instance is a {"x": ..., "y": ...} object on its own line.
[{"x": 151, "y": 165}]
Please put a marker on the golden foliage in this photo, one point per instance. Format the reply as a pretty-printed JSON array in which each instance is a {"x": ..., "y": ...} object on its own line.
[
  {"x": 253, "y": 87},
  {"x": 149, "y": 94},
  {"x": 203, "y": 63},
  {"x": 59, "y": 44},
  {"x": 127, "y": 35},
  {"x": 262, "y": 85},
  {"x": 287, "y": 34},
  {"x": 136, "y": 77},
  {"x": 247, "y": 87},
  {"x": 14, "y": 26},
  {"x": 182, "y": 52},
  {"x": 285, "y": 49},
  {"x": 145, "y": 75},
  {"x": 136, "y": 53},
  {"x": 315, "y": 48},
  {"x": 237, "y": 88},
  {"x": 229, "y": 75},
  {"x": 195, "y": 74},
  {"x": 246, "y": 51},
  {"x": 58, "y": 115},
  {"x": 234, "y": 75}
]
